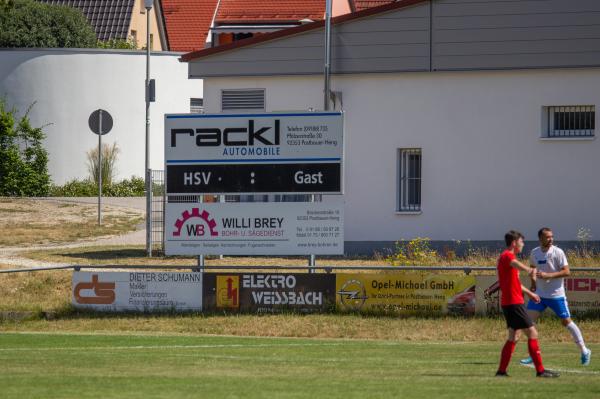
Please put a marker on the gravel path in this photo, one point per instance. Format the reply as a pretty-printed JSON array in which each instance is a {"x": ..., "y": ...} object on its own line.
[{"x": 10, "y": 255}]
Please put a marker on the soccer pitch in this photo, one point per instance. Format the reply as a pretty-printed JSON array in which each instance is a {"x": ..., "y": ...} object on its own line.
[{"x": 141, "y": 366}]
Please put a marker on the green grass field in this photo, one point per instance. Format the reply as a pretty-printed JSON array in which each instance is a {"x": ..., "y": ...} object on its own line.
[{"x": 36, "y": 365}]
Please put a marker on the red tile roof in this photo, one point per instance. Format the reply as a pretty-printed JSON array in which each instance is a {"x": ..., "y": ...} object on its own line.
[
  {"x": 187, "y": 23},
  {"x": 359, "y": 5},
  {"x": 298, "y": 29},
  {"x": 264, "y": 11}
]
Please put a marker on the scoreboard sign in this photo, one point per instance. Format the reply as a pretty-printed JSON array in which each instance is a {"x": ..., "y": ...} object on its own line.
[{"x": 254, "y": 153}]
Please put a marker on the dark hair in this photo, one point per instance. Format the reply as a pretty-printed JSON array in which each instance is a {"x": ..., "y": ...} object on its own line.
[
  {"x": 511, "y": 236},
  {"x": 543, "y": 230}
]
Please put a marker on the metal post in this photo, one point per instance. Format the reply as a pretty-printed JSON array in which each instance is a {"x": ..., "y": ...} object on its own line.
[
  {"x": 312, "y": 261},
  {"x": 164, "y": 208},
  {"x": 147, "y": 160},
  {"x": 100, "y": 169},
  {"x": 149, "y": 197},
  {"x": 327, "y": 71},
  {"x": 201, "y": 257}
]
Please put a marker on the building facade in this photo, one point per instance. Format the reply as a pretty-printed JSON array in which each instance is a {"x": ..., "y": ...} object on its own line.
[{"x": 463, "y": 119}]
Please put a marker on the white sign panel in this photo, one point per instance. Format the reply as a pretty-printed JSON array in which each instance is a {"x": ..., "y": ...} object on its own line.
[
  {"x": 268, "y": 228},
  {"x": 254, "y": 138},
  {"x": 137, "y": 291}
]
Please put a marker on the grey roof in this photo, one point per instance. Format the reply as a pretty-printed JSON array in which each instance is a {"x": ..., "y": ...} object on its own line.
[{"x": 109, "y": 18}]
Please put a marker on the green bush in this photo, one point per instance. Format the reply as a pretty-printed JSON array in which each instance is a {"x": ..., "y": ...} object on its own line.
[
  {"x": 133, "y": 187},
  {"x": 118, "y": 44},
  {"x": 28, "y": 23},
  {"x": 23, "y": 159},
  {"x": 416, "y": 252}
]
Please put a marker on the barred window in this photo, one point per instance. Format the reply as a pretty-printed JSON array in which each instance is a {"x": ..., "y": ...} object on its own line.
[
  {"x": 409, "y": 180},
  {"x": 243, "y": 100},
  {"x": 570, "y": 121},
  {"x": 196, "y": 105}
]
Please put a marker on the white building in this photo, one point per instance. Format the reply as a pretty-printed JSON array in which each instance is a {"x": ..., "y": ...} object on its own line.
[
  {"x": 463, "y": 119},
  {"x": 66, "y": 85}
]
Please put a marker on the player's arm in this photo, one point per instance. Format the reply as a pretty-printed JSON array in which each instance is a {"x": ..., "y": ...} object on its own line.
[
  {"x": 564, "y": 272},
  {"x": 522, "y": 267},
  {"x": 534, "y": 297},
  {"x": 533, "y": 278}
]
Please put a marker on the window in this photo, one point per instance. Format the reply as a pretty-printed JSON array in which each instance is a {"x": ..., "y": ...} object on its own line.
[
  {"x": 196, "y": 105},
  {"x": 409, "y": 180},
  {"x": 241, "y": 36},
  {"x": 134, "y": 35},
  {"x": 151, "y": 41},
  {"x": 570, "y": 121},
  {"x": 243, "y": 99}
]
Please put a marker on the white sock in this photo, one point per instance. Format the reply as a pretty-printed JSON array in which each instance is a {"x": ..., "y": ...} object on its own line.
[{"x": 576, "y": 334}]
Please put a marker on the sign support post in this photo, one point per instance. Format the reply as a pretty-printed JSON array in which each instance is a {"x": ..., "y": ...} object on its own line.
[
  {"x": 100, "y": 170},
  {"x": 100, "y": 123}
]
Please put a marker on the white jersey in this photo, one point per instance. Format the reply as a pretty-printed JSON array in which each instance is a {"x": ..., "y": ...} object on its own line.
[{"x": 551, "y": 261}]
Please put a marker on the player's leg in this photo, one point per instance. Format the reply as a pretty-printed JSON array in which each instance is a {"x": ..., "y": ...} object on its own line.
[
  {"x": 561, "y": 308},
  {"x": 534, "y": 310},
  {"x": 507, "y": 351},
  {"x": 534, "y": 351}
]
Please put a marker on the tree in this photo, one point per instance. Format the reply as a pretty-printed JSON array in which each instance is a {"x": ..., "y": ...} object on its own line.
[
  {"x": 23, "y": 159},
  {"x": 28, "y": 23}
]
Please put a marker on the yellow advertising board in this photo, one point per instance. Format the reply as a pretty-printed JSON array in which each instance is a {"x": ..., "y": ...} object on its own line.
[
  {"x": 583, "y": 294},
  {"x": 406, "y": 293},
  {"x": 228, "y": 292}
]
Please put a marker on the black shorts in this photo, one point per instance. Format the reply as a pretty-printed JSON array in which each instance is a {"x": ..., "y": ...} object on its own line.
[{"x": 516, "y": 317}]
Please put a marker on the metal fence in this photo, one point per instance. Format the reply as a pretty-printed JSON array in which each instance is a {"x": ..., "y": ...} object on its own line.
[{"x": 157, "y": 211}]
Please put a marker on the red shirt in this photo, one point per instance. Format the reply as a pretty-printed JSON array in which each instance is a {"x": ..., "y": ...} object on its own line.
[{"x": 508, "y": 277}]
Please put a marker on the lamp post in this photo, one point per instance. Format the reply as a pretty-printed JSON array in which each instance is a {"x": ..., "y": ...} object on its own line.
[{"x": 148, "y": 5}]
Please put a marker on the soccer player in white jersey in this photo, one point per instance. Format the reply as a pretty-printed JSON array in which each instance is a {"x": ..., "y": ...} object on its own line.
[{"x": 548, "y": 283}]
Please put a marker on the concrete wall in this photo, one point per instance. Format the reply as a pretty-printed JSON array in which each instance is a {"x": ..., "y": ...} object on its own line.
[
  {"x": 68, "y": 84},
  {"x": 485, "y": 167}
]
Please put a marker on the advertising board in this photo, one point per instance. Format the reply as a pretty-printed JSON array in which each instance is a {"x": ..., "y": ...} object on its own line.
[
  {"x": 269, "y": 293},
  {"x": 282, "y": 228},
  {"x": 299, "y": 152},
  {"x": 137, "y": 291}
]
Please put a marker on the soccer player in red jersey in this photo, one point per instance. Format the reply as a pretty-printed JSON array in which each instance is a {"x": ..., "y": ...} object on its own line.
[{"x": 513, "y": 306}]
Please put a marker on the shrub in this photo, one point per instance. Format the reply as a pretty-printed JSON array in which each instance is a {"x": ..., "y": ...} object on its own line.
[
  {"x": 109, "y": 160},
  {"x": 415, "y": 252},
  {"x": 23, "y": 159},
  {"x": 120, "y": 44},
  {"x": 133, "y": 187}
]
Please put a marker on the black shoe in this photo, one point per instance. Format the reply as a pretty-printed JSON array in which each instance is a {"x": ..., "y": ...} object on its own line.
[
  {"x": 501, "y": 374},
  {"x": 548, "y": 374}
]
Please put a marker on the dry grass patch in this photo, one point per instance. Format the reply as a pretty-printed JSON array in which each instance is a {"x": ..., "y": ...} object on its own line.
[
  {"x": 39, "y": 291},
  {"x": 37, "y": 222},
  {"x": 136, "y": 255}
]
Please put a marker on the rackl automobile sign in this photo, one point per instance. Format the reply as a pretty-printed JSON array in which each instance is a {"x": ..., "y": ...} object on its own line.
[{"x": 254, "y": 153}]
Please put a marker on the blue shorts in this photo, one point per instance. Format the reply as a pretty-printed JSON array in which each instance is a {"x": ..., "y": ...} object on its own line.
[{"x": 558, "y": 305}]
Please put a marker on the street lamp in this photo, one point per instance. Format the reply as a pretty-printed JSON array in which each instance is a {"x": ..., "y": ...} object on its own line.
[{"x": 148, "y": 181}]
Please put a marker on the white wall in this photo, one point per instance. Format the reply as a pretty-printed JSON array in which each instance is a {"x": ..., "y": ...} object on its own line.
[
  {"x": 485, "y": 169},
  {"x": 68, "y": 84}
]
